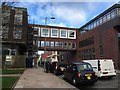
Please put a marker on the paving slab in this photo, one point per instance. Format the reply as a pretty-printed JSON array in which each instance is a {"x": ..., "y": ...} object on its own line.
[{"x": 37, "y": 78}]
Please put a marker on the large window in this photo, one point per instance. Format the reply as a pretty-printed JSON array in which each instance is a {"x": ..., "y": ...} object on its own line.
[
  {"x": 45, "y": 32},
  {"x": 86, "y": 42},
  {"x": 4, "y": 32},
  {"x": 18, "y": 19},
  {"x": 54, "y": 32},
  {"x": 5, "y": 16},
  {"x": 17, "y": 33},
  {"x": 72, "y": 34},
  {"x": 63, "y": 33}
]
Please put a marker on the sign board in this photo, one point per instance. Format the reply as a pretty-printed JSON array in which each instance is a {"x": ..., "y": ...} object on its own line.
[{"x": 44, "y": 56}]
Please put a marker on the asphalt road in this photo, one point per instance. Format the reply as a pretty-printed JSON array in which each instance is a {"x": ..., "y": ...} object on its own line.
[{"x": 102, "y": 84}]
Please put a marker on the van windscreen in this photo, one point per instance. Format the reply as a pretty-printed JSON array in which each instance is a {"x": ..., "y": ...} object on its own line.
[{"x": 84, "y": 67}]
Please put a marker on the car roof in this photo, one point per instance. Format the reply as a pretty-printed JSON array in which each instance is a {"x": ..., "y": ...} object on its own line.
[{"x": 79, "y": 63}]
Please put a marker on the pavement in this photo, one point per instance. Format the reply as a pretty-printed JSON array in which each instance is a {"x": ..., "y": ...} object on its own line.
[{"x": 37, "y": 78}]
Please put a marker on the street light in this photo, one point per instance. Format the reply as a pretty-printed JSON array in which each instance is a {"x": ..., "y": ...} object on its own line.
[{"x": 45, "y": 39}]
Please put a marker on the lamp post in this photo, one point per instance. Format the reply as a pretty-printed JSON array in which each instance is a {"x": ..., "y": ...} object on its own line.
[{"x": 45, "y": 40}]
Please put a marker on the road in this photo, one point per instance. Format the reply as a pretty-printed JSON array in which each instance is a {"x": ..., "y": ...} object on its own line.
[{"x": 102, "y": 84}]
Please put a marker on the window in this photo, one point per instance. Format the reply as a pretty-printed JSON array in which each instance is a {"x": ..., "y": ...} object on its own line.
[
  {"x": 18, "y": 19},
  {"x": 38, "y": 43},
  {"x": 108, "y": 16},
  {"x": 52, "y": 44},
  {"x": 4, "y": 32},
  {"x": 56, "y": 44},
  {"x": 101, "y": 20},
  {"x": 65, "y": 44},
  {"x": 17, "y": 33},
  {"x": 54, "y": 33},
  {"x": 36, "y": 31},
  {"x": 113, "y": 13},
  {"x": 5, "y": 16},
  {"x": 69, "y": 45},
  {"x": 97, "y": 22},
  {"x": 73, "y": 45},
  {"x": 104, "y": 18},
  {"x": 63, "y": 33},
  {"x": 44, "y": 32},
  {"x": 72, "y": 34},
  {"x": 47, "y": 44},
  {"x": 86, "y": 42},
  {"x": 42, "y": 43},
  {"x": 61, "y": 44}
]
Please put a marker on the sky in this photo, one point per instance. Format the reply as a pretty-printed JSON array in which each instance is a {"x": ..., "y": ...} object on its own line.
[
  {"x": 73, "y": 14},
  {"x": 67, "y": 13}
]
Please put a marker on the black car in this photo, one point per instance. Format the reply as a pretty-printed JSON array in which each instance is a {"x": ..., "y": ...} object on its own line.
[
  {"x": 80, "y": 72},
  {"x": 58, "y": 68}
]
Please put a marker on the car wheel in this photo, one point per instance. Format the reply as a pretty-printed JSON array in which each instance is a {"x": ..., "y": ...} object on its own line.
[{"x": 74, "y": 82}]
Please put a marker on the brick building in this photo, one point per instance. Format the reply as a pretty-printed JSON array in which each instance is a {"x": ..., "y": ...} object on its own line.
[
  {"x": 100, "y": 37},
  {"x": 14, "y": 33}
]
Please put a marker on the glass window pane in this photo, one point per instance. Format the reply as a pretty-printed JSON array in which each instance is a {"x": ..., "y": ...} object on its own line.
[
  {"x": 18, "y": 19},
  {"x": 4, "y": 32},
  {"x": 72, "y": 34},
  {"x": 61, "y": 44},
  {"x": 63, "y": 34},
  {"x": 17, "y": 33},
  {"x": 42, "y": 43},
  {"x": 56, "y": 44},
  {"x": 52, "y": 44},
  {"x": 108, "y": 16},
  {"x": 65, "y": 44},
  {"x": 113, "y": 13},
  {"x": 44, "y": 32},
  {"x": 54, "y": 33}
]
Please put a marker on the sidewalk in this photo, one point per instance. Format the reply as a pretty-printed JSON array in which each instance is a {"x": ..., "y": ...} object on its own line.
[{"x": 37, "y": 78}]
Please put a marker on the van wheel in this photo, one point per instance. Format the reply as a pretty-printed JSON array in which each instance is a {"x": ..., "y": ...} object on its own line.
[{"x": 74, "y": 82}]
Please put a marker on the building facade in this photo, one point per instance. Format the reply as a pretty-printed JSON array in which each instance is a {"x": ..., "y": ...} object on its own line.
[
  {"x": 97, "y": 39},
  {"x": 100, "y": 38},
  {"x": 14, "y": 32}
]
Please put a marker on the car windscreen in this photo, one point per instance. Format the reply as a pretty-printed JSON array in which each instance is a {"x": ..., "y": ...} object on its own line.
[{"x": 84, "y": 67}]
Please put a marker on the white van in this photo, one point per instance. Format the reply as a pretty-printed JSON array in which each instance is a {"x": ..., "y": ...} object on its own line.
[{"x": 103, "y": 67}]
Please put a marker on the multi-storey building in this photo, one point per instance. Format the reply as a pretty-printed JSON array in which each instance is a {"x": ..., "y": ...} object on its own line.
[
  {"x": 100, "y": 37},
  {"x": 14, "y": 32}
]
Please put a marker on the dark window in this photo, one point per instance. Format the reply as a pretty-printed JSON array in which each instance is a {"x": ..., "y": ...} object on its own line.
[{"x": 86, "y": 42}]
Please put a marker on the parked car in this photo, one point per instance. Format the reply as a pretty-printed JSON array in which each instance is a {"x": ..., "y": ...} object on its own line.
[
  {"x": 80, "y": 72},
  {"x": 58, "y": 68},
  {"x": 103, "y": 67}
]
